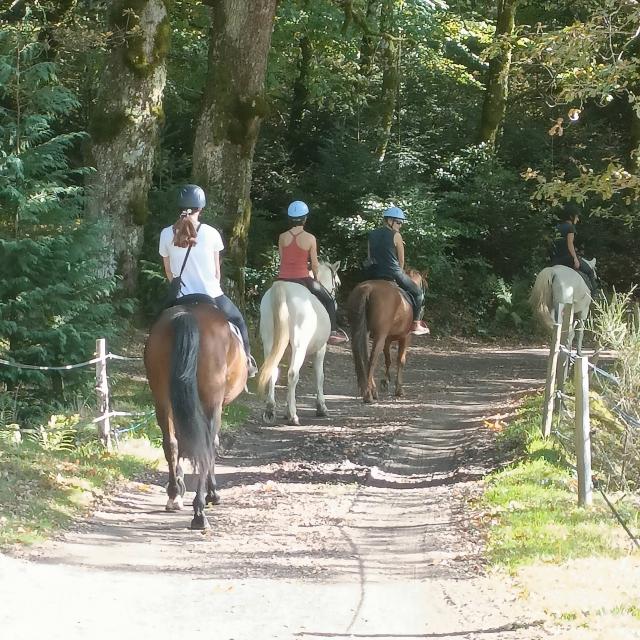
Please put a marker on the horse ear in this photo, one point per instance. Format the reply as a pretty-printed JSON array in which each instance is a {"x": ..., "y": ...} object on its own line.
[{"x": 335, "y": 266}]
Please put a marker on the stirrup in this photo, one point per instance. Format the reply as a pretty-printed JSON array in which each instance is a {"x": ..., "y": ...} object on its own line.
[
  {"x": 252, "y": 367},
  {"x": 421, "y": 329},
  {"x": 338, "y": 337}
]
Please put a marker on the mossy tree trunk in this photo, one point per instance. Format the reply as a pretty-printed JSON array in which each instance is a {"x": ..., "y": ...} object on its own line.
[
  {"x": 370, "y": 38},
  {"x": 124, "y": 126},
  {"x": 227, "y": 128},
  {"x": 497, "y": 80},
  {"x": 390, "y": 77}
]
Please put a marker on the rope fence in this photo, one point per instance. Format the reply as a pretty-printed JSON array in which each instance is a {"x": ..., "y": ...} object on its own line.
[
  {"x": 557, "y": 402},
  {"x": 106, "y": 432}
]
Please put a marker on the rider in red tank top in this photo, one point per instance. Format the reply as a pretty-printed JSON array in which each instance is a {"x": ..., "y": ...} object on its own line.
[
  {"x": 294, "y": 260},
  {"x": 299, "y": 255}
]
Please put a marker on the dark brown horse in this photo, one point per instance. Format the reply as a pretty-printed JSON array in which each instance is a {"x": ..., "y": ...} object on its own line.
[
  {"x": 195, "y": 366},
  {"x": 378, "y": 310}
]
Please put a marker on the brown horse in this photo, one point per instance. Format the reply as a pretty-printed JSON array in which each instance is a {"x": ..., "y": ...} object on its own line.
[
  {"x": 195, "y": 366},
  {"x": 378, "y": 309}
]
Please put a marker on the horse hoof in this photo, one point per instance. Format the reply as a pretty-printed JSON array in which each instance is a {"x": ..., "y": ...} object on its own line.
[
  {"x": 212, "y": 498},
  {"x": 367, "y": 399},
  {"x": 399, "y": 393},
  {"x": 174, "y": 505},
  {"x": 268, "y": 417},
  {"x": 321, "y": 412},
  {"x": 200, "y": 523},
  {"x": 374, "y": 394},
  {"x": 294, "y": 421},
  {"x": 384, "y": 385}
]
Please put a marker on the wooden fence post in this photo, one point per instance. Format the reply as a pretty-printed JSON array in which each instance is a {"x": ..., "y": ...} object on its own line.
[
  {"x": 552, "y": 363},
  {"x": 564, "y": 358},
  {"x": 582, "y": 429},
  {"x": 102, "y": 388}
]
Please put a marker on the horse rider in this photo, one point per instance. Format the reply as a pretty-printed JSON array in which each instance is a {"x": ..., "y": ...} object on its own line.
[
  {"x": 386, "y": 262},
  {"x": 563, "y": 249},
  {"x": 298, "y": 250},
  {"x": 201, "y": 271}
]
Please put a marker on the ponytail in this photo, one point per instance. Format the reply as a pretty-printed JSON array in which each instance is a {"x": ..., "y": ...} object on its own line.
[{"x": 184, "y": 232}]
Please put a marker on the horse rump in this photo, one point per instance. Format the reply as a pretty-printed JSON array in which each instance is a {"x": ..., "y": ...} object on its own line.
[
  {"x": 193, "y": 430},
  {"x": 541, "y": 297}
]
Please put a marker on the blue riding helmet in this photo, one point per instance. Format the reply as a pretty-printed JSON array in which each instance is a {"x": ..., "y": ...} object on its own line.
[
  {"x": 297, "y": 209},
  {"x": 394, "y": 212},
  {"x": 191, "y": 196}
]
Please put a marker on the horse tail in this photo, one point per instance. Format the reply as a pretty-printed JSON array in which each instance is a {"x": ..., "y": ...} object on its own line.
[
  {"x": 541, "y": 298},
  {"x": 193, "y": 431},
  {"x": 360, "y": 336},
  {"x": 280, "y": 335}
]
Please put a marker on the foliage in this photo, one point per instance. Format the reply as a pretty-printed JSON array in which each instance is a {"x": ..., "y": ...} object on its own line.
[
  {"x": 54, "y": 303},
  {"x": 532, "y": 504},
  {"x": 43, "y": 488},
  {"x": 615, "y": 323}
]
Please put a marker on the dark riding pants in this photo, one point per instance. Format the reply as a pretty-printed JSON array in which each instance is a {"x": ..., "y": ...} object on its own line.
[
  {"x": 414, "y": 291},
  {"x": 230, "y": 311},
  {"x": 235, "y": 317},
  {"x": 319, "y": 292}
]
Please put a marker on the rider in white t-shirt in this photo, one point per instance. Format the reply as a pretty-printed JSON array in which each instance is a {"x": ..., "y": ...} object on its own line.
[{"x": 201, "y": 274}]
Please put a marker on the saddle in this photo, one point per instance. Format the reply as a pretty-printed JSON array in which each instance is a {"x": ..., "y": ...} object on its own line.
[
  {"x": 203, "y": 298},
  {"x": 404, "y": 292}
]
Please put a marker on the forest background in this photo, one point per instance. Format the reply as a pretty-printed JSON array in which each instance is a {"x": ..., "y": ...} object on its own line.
[{"x": 480, "y": 119}]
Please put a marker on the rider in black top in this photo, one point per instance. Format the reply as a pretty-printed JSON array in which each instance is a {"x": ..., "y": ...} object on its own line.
[{"x": 564, "y": 251}]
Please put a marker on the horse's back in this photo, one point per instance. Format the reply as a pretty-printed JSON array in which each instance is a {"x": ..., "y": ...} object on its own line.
[
  {"x": 220, "y": 358},
  {"x": 384, "y": 304},
  {"x": 307, "y": 320}
]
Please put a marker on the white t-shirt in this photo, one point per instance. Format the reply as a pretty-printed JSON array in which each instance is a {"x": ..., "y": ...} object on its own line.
[{"x": 199, "y": 272}]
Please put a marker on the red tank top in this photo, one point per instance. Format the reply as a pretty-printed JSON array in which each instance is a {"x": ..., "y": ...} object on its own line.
[{"x": 294, "y": 262}]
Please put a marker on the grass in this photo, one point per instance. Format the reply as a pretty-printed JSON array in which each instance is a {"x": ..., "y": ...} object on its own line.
[
  {"x": 42, "y": 491},
  {"x": 532, "y": 504}
]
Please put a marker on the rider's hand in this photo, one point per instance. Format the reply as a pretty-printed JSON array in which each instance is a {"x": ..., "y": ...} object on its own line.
[{"x": 576, "y": 263}]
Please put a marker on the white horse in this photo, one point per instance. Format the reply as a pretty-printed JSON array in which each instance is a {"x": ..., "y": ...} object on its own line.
[
  {"x": 562, "y": 285},
  {"x": 291, "y": 315}
]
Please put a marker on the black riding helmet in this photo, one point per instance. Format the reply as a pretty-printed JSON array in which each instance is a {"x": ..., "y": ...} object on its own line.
[{"x": 191, "y": 196}]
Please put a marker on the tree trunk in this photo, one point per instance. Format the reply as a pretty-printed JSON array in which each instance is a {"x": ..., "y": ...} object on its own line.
[
  {"x": 124, "y": 130},
  {"x": 300, "y": 90},
  {"x": 390, "y": 78},
  {"x": 369, "y": 41},
  {"x": 227, "y": 128},
  {"x": 497, "y": 81}
]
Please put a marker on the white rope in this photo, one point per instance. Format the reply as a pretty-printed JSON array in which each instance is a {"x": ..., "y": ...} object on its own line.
[{"x": 66, "y": 367}]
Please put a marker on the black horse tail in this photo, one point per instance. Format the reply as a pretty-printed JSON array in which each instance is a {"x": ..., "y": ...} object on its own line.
[
  {"x": 360, "y": 336},
  {"x": 193, "y": 431}
]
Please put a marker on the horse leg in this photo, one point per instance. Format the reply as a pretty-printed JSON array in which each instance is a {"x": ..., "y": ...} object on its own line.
[
  {"x": 269, "y": 413},
  {"x": 318, "y": 367},
  {"x": 580, "y": 334},
  {"x": 175, "y": 486},
  {"x": 402, "y": 360},
  {"x": 297, "y": 359},
  {"x": 386, "y": 381},
  {"x": 371, "y": 392},
  {"x": 199, "y": 521},
  {"x": 213, "y": 497}
]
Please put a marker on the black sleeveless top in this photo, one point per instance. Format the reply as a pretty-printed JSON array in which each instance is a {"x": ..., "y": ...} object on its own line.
[
  {"x": 560, "y": 249},
  {"x": 383, "y": 254}
]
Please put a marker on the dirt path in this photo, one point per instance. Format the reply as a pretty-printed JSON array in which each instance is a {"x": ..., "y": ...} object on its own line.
[{"x": 355, "y": 526}]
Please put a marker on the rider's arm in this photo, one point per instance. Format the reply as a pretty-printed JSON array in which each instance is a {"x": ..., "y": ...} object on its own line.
[
  {"x": 167, "y": 268},
  {"x": 572, "y": 250},
  {"x": 313, "y": 255},
  {"x": 399, "y": 244},
  {"x": 216, "y": 266}
]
